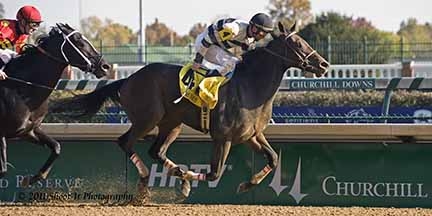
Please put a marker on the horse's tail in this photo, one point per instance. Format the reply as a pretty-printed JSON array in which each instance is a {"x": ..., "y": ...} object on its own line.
[{"x": 88, "y": 104}]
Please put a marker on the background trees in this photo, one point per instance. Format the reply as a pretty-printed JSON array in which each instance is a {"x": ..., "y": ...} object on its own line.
[
  {"x": 111, "y": 33},
  {"x": 290, "y": 11},
  {"x": 340, "y": 38}
]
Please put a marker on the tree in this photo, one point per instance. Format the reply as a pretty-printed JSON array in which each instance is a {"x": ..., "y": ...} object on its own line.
[
  {"x": 107, "y": 32},
  {"x": 197, "y": 29},
  {"x": 90, "y": 27},
  {"x": 290, "y": 11},
  {"x": 416, "y": 39},
  {"x": 414, "y": 32},
  {"x": 158, "y": 33},
  {"x": 353, "y": 41}
]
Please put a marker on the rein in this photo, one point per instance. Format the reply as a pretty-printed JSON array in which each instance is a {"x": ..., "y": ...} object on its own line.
[
  {"x": 30, "y": 83},
  {"x": 51, "y": 56},
  {"x": 303, "y": 60},
  {"x": 65, "y": 60},
  {"x": 35, "y": 84}
]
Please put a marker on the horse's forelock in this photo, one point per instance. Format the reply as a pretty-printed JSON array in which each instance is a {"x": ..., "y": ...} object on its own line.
[{"x": 63, "y": 28}]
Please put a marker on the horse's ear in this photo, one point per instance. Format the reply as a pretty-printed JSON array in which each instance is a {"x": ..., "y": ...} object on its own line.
[
  {"x": 69, "y": 27},
  {"x": 281, "y": 28},
  {"x": 294, "y": 27},
  {"x": 60, "y": 27}
]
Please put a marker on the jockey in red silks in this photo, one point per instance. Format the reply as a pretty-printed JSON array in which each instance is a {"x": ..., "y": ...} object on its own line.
[
  {"x": 14, "y": 34},
  {"x": 215, "y": 43}
]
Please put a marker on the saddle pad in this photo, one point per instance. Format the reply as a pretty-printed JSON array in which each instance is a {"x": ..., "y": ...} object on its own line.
[{"x": 198, "y": 89}]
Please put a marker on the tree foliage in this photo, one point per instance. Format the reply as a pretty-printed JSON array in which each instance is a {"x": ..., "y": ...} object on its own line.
[
  {"x": 158, "y": 33},
  {"x": 416, "y": 39},
  {"x": 290, "y": 11},
  {"x": 412, "y": 31},
  {"x": 352, "y": 40},
  {"x": 197, "y": 29},
  {"x": 107, "y": 32}
]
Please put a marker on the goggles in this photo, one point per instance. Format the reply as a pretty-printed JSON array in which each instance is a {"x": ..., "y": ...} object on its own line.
[{"x": 34, "y": 24}]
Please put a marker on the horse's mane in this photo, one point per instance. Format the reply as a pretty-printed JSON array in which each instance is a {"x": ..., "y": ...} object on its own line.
[{"x": 29, "y": 49}]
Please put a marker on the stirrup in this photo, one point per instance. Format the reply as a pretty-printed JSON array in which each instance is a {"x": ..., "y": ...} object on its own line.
[{"x": 213, "y": 73}]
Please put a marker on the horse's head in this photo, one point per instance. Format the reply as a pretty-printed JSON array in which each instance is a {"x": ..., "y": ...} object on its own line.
[
  {"x": 69, "y": 46},
  {"x": 296, "y": 52}
]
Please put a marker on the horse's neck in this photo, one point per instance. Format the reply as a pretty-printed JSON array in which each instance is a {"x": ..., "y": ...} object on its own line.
[
  {"x": 39, "y": 69},
  {"x": 260, "y": 80}
]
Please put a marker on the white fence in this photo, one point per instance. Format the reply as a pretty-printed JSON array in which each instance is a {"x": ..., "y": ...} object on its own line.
[{"x": 336, "y": 71}]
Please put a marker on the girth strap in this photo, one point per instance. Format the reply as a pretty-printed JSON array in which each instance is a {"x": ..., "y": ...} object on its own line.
[{"x": 205, "y": 119}]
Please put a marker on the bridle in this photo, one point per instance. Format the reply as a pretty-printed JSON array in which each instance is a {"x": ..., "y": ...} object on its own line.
[
  {"x": 304, "y": 61},
  {"x": 65, "y": 60},
  {"x": 90, "y": 67}
]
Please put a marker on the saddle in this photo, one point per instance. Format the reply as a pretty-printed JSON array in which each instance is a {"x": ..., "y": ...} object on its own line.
[{"x": 199, "y": 89}]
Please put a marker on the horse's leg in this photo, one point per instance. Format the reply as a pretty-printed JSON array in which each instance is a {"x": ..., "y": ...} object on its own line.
[
  {"x": 126, "y": 142},
  {"x": 40, "y": 138},
  {"x": 3, "y": 157},
  {"x": 167, "y": 134},
  {"x": 220, "y": 153},
  {"x": 260, "y": 144}
]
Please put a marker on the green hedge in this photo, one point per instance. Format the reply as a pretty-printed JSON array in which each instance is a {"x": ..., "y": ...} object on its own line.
[{"x": 352, "y": 98}]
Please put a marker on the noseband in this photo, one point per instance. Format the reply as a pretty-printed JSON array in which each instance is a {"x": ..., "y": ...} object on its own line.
[
  {"x": 66, "y": 38},
  {"x": 304, "y": 61}
]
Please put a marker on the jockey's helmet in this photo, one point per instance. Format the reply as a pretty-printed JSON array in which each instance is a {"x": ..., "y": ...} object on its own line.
[
  {"x": 262, "y": 21},
  {"x": 29, "y": 14}
]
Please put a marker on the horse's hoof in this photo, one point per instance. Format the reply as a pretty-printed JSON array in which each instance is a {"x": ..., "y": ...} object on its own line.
[
  {"x": 29, "y": 180},
  {"x": 244, "y": 187},
  {"x": 25, "y": 182},
  {"x": 35, "y": 179},
  {"x": 144, "y": 193},
  {"x": 186, "y": 188}
]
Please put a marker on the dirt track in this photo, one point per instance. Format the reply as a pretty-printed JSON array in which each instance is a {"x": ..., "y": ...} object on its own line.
[{"x": 180, "y": 209}]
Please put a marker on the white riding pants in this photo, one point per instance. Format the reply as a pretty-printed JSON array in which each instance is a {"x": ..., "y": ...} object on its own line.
[{"x": 216, "y": 57}]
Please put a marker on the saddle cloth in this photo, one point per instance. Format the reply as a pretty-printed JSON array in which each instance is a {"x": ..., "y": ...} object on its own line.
[{"x": 199, "y": 89}]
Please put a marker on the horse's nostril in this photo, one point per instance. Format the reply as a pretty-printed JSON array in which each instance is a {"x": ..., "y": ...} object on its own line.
[
  {"x": 324, "y": 64},
  {"x": 106, "y": 67}
]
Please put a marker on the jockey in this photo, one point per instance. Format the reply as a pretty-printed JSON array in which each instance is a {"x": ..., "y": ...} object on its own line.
[
  {"x": 215, "y": 43},
  {"x": 14, "y": 33}
]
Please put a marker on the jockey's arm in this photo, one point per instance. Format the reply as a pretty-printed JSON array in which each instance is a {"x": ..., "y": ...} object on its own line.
[
  {"x": 228, "y": 31},
  {"x": 5, "y": 56}
]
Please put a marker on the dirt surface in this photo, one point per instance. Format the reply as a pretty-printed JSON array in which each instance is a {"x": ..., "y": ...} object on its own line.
[{"x": 183, "y": 209}]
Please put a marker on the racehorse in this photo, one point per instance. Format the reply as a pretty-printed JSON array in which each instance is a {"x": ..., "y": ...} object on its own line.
[
  {"x": 241, "y": 115},
  {"x": 32, "y": 77}
]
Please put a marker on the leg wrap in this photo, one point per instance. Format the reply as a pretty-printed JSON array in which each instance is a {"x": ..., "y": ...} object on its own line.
[
  {"x": 3, "y": 156},
  {"x": 142, "y": 169},
  {"x": 257, "y": 178},
  {"x": 169, "y": 164},
  {"x": 189, "y": 175}
]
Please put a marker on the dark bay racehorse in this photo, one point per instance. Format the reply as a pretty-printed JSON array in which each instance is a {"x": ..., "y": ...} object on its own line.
[
  {"x": 23, "y": 106},
  {"x": 243, "y": 111}
]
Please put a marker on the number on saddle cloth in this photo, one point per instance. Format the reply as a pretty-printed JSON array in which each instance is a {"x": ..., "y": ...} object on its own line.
[{"x": 199, "y": 89}]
